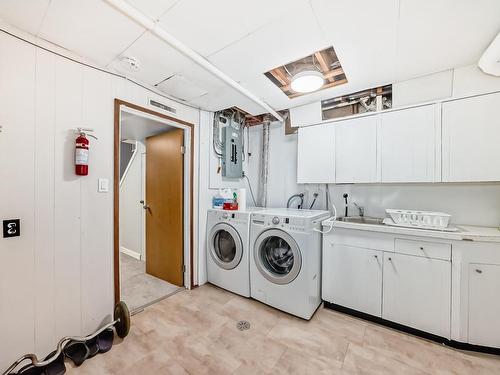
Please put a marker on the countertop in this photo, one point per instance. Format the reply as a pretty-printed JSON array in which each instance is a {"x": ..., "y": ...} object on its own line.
[{"x": 465, "y": 232}]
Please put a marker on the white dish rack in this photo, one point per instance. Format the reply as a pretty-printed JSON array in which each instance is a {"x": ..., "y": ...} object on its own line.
[{"x": 421, "y": 219}]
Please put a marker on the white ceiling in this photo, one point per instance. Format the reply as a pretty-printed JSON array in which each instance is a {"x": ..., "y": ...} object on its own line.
[{"x": 378, "y": 42}]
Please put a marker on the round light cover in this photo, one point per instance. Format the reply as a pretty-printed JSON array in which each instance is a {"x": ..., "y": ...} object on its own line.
[{"x": 307, "y": 81}]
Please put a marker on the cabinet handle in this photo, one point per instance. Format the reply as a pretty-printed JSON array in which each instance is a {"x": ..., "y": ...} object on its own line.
[
  {"x": 479, "y": 271},
  {"x": 375, "y": 256},
  {"x": 422, "y": 248},
  {"x": 390, "y": 259}
]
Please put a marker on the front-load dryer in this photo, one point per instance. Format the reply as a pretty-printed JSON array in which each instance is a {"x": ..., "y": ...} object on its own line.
[
  {"x": 285, "y": 265},
  {"x": 228, "y": 250}
]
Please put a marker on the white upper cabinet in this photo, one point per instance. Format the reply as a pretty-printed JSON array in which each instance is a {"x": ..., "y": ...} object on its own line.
[
  {"x": 356, "y": 150},
  {"x": 407, "y": 145},
  {"x": 316, "y": 154},
  {"x": 471, "y": 139}
]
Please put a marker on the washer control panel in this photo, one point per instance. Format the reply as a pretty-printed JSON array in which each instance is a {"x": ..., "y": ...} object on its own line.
[{"x": 274, "y": 221}]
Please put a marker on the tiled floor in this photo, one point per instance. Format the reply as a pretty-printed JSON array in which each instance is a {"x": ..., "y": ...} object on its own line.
[
  {"x": 194, "y": 332},
  {"x": 139, "y": 289}
]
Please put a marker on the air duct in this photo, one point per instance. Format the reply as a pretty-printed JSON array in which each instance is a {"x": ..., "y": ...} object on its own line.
[{"x": 161, "y": 33}]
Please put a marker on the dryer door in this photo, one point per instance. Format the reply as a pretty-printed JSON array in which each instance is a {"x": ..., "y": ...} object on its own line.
[
  {"x": 226, "y": 247},
  {"x": 277, "y": 256}
]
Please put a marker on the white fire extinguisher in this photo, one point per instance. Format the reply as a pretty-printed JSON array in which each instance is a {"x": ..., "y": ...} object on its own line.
[{"x": 82, "y": 151}]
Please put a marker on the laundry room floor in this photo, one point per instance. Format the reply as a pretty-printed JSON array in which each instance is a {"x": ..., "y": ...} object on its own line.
[{"x": 195, "y": 332}]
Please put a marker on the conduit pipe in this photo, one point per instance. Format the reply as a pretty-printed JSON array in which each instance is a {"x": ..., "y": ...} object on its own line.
[{"x": 155, "y": 28}]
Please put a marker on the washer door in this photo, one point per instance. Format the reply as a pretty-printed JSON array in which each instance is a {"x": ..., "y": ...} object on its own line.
[
  {"x": 277, "y": 256},
  {"x": 226, "y": 247}
]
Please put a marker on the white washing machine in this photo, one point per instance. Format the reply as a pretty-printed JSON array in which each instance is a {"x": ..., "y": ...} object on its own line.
[
  {"x": 228, "y": 250},
  {"x": 285, "y": 265}
]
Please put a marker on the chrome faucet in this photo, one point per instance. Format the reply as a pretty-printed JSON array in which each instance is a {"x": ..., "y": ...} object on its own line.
[{"x": 360, "y": 209}]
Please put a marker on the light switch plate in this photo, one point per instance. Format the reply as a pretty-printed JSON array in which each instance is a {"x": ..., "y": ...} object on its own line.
[{"x": 103, "y": 185}]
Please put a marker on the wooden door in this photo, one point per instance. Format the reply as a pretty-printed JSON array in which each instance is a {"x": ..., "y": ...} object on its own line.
[
  {"x": 164, "y": 200},
  {"x": 417, "y": 292}
]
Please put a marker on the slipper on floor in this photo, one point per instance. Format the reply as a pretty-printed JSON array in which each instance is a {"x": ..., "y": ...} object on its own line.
[
  {"x": 30, "y": 370},
  {"x": 93, "y": 348},
  {"x": 77, "y": 351},
  {"x": 57, "y": 367},
  {"x": 105, "y": 340}
]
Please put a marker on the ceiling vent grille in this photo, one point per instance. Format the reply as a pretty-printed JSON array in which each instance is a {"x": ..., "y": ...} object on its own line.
[{"x": 162, "y": 106}]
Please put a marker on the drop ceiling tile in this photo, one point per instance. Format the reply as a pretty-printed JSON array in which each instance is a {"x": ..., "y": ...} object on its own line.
[
  {"x": 26, "y": 15},
  {"x": 204, "y": 26},
  {"x": 157, "y": 59},
  {"x": 289, "y": 38},
  {"x": 91, "y": 28},
  {"x": 438, "y": 35},
  {"x": 181, "y": 87},
  {"x": 152, "y": 8},
  {"x": 363, "y": 34},
  {"x": 209, "y": 26}
]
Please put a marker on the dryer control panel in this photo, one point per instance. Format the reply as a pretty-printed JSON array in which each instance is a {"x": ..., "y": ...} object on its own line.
[{"x": 231, "y": 216}]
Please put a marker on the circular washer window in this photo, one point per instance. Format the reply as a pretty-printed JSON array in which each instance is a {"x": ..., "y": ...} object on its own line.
[
  {"x": 226, "y": 247},
  {"x": 277, "y": 256}
]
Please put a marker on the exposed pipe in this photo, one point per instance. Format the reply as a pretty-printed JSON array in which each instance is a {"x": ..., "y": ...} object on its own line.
[
  {"x": 264, "y": 166},
  {"x": 156, "y": 29}
]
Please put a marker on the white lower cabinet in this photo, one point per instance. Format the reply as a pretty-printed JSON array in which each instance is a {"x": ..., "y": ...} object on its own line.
[
  {"x": 484, "y": 304},
  {"x": 417, "y": 292},
  {"x": 352, "y": 277}
]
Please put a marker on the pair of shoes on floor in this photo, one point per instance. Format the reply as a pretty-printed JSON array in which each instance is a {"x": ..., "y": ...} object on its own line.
[
  {"x": 79, "y": 351},
  {"x": 56, "y": 367}
]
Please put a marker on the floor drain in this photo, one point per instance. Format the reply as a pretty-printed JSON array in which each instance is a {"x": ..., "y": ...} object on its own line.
[{"x": 243, "y": 325}]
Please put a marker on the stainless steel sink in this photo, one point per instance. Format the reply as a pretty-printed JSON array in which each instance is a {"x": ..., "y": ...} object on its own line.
[{"x": 361, "y": 220}]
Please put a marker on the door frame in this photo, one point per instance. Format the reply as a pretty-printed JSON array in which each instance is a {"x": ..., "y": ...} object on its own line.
[{"x": 188, "y": 128}]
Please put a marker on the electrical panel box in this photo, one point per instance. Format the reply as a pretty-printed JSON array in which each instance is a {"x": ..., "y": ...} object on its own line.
[{"x": 232, "y": 150}]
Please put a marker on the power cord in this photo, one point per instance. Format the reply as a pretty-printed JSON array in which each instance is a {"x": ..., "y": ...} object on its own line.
[
  {"x": 331, "y": 221},
  {"x": 250, "y": 188}
]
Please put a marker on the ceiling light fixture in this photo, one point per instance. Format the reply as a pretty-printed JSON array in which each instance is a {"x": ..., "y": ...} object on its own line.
[{"x": 307, "y": 81}]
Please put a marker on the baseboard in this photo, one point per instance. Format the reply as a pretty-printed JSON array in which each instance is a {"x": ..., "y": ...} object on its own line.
[
  {"x": 131, "y": 253},
  {"x": 412, "y": 331}
]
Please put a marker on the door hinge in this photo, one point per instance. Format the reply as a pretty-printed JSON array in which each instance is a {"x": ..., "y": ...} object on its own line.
[
  {"x": 184, "y": 268},
  {"x": 183, "y": 150}
]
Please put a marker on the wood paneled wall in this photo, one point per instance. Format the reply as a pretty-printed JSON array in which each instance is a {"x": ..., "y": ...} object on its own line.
[{"x": 57, "y": 278}]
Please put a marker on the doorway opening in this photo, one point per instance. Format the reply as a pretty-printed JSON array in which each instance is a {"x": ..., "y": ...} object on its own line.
[{"x": 153, "y": 210}]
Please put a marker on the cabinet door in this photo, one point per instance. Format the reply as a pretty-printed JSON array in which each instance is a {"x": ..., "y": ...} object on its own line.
[
  {"x": 407, "y": 140},
  {"x": 356, "y": 150},
  {"x": 352, "y": 277},
  {"x": 484, "y": 305},
  {"x": 471, "y": 139},
  {"x": 417, "y": 293},
  {"x": 316, "y": 154}
]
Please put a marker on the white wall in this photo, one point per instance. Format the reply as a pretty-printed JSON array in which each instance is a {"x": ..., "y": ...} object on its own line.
[
  {"x": 57, "y": 279},
  {"x": 131, "y": 211}
]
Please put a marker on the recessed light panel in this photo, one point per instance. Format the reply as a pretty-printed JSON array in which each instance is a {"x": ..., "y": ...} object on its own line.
[{"x": 318, "y": 71}]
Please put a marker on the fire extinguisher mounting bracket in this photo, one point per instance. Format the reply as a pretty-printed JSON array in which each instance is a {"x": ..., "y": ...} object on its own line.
[{"x": 86, "y": 132}]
